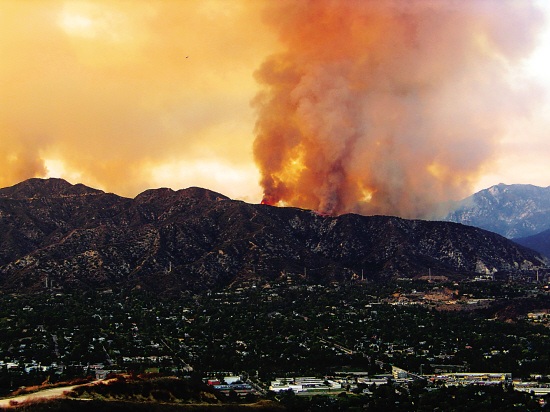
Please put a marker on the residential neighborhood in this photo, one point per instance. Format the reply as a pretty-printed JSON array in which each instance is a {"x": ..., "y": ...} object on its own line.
[{"x": 286, "y": 336}]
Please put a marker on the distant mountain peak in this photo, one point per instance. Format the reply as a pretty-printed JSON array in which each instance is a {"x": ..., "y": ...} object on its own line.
[
  {"x": 51, "y": 187},
  {"x": 496, "y": 190},
  {"x": 168, "y": 194},
  {"x": 516, "y": 210},
  {"x": 150, "y": 195},
  {"x": 200, "y": 192}
]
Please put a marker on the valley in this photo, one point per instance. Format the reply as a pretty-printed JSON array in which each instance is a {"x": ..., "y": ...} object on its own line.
[
  {"x": 197, "y": 287},
  {"x": 279, "y": 328}
]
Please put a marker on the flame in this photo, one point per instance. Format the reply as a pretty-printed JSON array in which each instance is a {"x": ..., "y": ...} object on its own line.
[{"x": 386, "y": 106}]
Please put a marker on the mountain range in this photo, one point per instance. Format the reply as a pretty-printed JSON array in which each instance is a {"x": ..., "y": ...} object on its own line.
[
  {"x": 513, "y": 211},
  {"x": 518, "y": 212},
  {"x": 56, "y": 233}
]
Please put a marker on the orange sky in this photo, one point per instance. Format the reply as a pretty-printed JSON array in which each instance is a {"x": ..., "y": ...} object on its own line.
[{"x": 126, "y": 95}]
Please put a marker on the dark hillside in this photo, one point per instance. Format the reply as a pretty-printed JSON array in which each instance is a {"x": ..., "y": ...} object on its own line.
[
  {"x": 539, "y": 242},
  {"x": 54, "y": 233}
]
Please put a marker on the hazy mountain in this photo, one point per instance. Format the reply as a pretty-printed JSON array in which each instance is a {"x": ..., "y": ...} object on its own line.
[
  {"x": 165, "y": 240},
  {"x": 514, "y": 211},
  {"x": 539, "y": 242}
]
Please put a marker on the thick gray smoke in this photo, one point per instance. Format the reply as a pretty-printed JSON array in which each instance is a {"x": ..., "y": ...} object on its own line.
[{"x": 388, "y": 107}]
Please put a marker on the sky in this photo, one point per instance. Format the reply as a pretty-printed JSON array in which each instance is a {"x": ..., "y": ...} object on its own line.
[{"x": 378, "y": 106}]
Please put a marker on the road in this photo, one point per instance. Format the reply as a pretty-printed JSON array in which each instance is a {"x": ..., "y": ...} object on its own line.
[{"x": 47, "y": 393}]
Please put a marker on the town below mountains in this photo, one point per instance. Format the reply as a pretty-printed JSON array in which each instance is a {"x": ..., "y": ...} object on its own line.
[
  {"x": 255, "y": 306},
  {"x": 399, "y": 345}
]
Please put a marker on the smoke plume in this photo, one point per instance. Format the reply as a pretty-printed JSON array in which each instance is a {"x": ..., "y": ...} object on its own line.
[{"x": 388, "y": 107}]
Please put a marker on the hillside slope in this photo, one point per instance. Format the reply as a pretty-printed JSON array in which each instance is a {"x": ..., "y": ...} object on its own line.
[
  {"x": 171, "y": 241},
  {"x": 539, "y": 242}
]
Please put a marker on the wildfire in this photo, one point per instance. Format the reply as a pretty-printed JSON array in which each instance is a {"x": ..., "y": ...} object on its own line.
[{"x": 379, "y": 95}]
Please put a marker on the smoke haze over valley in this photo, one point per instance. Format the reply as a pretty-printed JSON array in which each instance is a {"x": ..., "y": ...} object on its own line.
[{"x": 341, "y": 106}]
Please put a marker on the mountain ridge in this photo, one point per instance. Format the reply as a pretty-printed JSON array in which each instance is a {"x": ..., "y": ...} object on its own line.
[
  {"x": 172, "y": 241},
  {"x": 52, "y": 187},
  {"x": 539, "y": 242},
  {"x": 513, "y": 211}
]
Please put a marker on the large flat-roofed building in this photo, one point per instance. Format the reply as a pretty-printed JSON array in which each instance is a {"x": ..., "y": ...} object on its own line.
[{"x": 473, "y": 378}]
